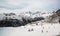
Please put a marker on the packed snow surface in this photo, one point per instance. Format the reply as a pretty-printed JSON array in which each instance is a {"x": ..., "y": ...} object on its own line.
[{"x": 40, "y": 29}]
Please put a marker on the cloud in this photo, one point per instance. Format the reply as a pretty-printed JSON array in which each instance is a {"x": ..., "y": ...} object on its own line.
[
  {"x": 13, "y": 4},
  {"x": 49, "y": 5},
  {"x": 30, "y": 5}
]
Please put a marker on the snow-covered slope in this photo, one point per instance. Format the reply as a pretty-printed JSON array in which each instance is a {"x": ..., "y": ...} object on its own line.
[{"x": 43, "y": 29}]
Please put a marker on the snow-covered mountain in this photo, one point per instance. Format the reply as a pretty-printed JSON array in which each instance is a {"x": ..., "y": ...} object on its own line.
[
  {"x": 26, "y": 14},
  {"x": 36, "y": 28},
  {"x": 27, "y": 17}
]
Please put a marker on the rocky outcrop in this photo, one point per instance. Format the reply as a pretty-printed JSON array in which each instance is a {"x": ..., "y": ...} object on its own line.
[
  {"x": 55, "y": 18},
  {"x": 58, "y": 12},
  {"x": 16, "y": 23}
]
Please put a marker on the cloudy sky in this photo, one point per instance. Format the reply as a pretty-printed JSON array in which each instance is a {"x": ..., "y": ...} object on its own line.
[{"x": 29, "y": 5}]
